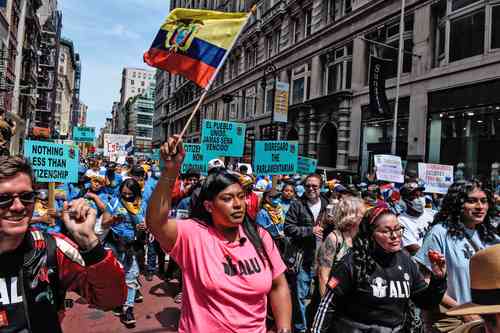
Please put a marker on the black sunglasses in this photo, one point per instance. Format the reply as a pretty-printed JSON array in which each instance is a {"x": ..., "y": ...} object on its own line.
[{"x": 7, "y": 199}]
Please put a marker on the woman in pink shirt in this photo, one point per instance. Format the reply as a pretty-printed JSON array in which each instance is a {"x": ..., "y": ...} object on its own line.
[{"x": 230, "y": 266}]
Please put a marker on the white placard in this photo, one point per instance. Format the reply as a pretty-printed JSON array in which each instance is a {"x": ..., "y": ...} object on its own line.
[
  {"x": 117, "y": 146},
  {"x": 389, "y": 168},
  {"x": 437, "y": 177}
]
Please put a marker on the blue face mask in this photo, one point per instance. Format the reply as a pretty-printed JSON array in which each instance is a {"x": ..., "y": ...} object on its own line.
[{"x": 275, "y": 201}]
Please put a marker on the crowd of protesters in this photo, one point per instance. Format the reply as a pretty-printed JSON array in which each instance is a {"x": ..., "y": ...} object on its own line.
[{"x": 284, "y": 253}]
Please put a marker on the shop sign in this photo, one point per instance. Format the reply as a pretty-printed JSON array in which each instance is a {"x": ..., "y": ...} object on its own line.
[
  {"x": 223, "y": 138},
  {"x": 389, "y": 168},
  {"x": 306, "y": 165},
  {"x": 275, "y": 157},
  {"x": 52, "y": 162},
  {"x": 281, "y": 95},
  {"x": 437, "y": 177}
]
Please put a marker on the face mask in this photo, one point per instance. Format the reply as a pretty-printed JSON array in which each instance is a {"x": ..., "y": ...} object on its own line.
[
  {"x": 129, "y": 198},
  {"x": 414, "y": 207},
  {"x": 275, "y": 201}
]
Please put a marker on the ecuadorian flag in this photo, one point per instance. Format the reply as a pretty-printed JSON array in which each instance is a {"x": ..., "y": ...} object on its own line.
[{"x": 193, "y": 43}]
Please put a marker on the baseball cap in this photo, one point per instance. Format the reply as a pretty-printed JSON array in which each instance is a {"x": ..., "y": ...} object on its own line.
[
  {"x": 215, "y": 163},
  {"x": 408, "y": 188}
]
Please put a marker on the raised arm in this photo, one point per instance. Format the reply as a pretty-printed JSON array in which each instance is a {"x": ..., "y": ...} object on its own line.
[{"x": 157, "y": 221}]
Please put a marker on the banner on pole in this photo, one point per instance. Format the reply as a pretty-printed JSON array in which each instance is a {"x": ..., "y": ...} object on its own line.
[
  {"x": 389, "y": 168},
  {"x": 52, "y": 162},
  {"x": 196, "y": 158},
  {"x": 118, "y": 146},
  {"x": 437, "y": 177},
  {"x": 275, "y": 157},
  {"x": 377, "y": 76},
  {"x": 306, "y": 165},
  {"x": 84, "y": 134},
  {"x": 223, "y": 138},
  {"x": 281, "y": 95}
]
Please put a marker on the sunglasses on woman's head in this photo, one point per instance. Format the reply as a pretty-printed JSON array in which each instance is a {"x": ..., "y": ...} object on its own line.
[{"x": 26, "y": 198}]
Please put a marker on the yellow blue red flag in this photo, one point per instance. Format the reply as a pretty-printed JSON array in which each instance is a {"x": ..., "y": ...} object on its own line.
[{"x": 193, "y": 43}]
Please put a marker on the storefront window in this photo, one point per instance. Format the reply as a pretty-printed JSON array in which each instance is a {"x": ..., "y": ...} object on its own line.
[
  {"x": 470, "y": 136},
  {"x": 377, "y": 134}
]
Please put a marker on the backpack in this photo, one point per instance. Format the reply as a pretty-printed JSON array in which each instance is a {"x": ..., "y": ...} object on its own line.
[{"x": 59, "y": 295}]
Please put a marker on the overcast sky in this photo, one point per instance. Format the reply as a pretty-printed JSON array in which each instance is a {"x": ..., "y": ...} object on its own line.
[{"x": 109, "y": 35}]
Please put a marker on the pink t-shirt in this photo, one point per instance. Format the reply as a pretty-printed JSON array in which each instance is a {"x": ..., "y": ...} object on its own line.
[{"x": 225, "y": 284}]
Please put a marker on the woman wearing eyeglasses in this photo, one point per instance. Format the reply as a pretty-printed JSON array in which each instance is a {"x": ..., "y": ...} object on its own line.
[
  {"x": 369, "y": 291},
  {"x": 230, "y": 267}
]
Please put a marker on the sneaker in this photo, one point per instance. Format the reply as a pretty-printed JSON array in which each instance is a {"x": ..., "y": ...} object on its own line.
[
  {"x": 127, "y": 317},
  {"x": 178, "y": 298},
  {"x": 117, "y": 311},
  {"x": 138, "y": 296},
  {"x": 149, "y": 276}
]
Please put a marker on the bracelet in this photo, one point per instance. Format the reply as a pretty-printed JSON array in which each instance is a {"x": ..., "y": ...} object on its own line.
[{"x": 284, "y": 330}]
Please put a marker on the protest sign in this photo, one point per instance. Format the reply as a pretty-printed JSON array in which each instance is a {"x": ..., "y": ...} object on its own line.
[
  {"x": 196, "y": 158},
  {"x": 223, "y": 138},
  {"x": 437, "y": 177},
  {"x": 84, "y": 134},
  {"x": 275, "y": 157},
  {"x": 389, "y": 168},
  {"x": 306, "y": 165},
  {"x": 117, "y": 146},
  {"x": 52, "y": 162},
  {"x": 155, "y": 156}
]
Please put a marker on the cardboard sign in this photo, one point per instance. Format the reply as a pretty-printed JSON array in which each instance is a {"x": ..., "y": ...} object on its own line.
[
  {"x": 223, "y": 138},
  {"x": 437, "y": 177},
  {"x": 281, "y": 95},
  {"x": 118, "y": 146},
  {"x": 306, "y": 165},
  {"x": 52, "y": 162},
  {"x": 196, "y": 158},
  {"x": 84, "y": 134},
  {"x": 275, "y": 157},
  {"x": 389, "y": 168}
]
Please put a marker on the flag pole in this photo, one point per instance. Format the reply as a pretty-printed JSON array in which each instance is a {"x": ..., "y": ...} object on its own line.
[
  {"x": 398, "y": 79},
  {"x": 209, "y": 85}
]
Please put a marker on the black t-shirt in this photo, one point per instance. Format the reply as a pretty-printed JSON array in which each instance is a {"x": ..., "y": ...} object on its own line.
[{"x": 383, "y": 299}]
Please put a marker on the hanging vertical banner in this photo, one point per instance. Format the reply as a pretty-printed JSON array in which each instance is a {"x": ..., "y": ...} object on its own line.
[
  {"x": 437, "y": 177},
  {"x": 378, "y": 98},
  {"x": 389, "y": 168},
  {"x": 275, "y": 157},
  {"x": 52, "y": 162},
  {"x": 280, "y": 110},
  {"x": 306, "y": 165},
  {"x": 223, "y": 138}
]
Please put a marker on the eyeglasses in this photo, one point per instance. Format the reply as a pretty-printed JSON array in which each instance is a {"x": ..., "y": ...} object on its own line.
[
  {"x": 311, "y": 186},
  {"x": 26, "y": 198},
  {"x": 398, "y": 232}
]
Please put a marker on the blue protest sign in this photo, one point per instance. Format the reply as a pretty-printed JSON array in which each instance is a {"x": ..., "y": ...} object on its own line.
[
  {"x": 52, "y": 162},
  {"x": 196, "y": 158},
  {"x": 83, "y": 134},
  {"x": 306, "y": 165},
  {"x": 155, "y": 156},
  {"x": 275, "y": 157},
  {"x": 223, "y": 138}
]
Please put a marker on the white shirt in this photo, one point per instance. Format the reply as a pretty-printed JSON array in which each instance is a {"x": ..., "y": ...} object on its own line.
[
  {"x": 415, "y": 227},
  {"x": 315, "y": 209}
]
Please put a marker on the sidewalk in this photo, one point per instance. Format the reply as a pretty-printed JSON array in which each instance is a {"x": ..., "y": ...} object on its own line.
[{"x": 158, "y": 312}]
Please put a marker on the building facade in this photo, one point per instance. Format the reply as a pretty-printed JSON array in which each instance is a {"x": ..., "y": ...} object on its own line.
[
  {"x": 140, "y": 121},
  {"x": 65, "y": 89},
  {"x": 82, "y": 114},
  {"x": 449, "y": 111}
]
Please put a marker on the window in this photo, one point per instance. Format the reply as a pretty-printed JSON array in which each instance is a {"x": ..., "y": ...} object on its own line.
[
  {"x": 250, "y": 103},
  {"x": 269, "y": 46},
  {"x": 467, "y": 36},
  {"x": 495, "y": 27},
  {"x": 132, "y": 82},
  {"x": 340, "y": 8},
  {"x": 276, "y": 41},
  {"x": 308, "y": 22},
  {"x": 250, "y": 57},
  {"x": 143, "y": 83},
  {"x": 338, "y": 71},
  {"x": 300, "y": 84},
  {"x": 296, "y": 30},
  {"x": 457, "y": 4},
  {"x": 269, "y": 97}
]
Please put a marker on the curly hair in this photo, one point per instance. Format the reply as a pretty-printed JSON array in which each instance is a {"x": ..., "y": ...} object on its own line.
[
  {"x": 451, "y": 212},
  {"x": 363, "y": 244},
  {"x": 347, "y": 211}
]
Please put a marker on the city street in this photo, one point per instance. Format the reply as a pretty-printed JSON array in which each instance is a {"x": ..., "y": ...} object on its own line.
[{"x": 158, "y": 312}]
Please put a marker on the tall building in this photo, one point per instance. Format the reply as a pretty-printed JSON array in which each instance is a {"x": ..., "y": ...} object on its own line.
[
  {"x": 140, "y": 120},
  {"x": 75, "y": 106},
  {"x": 66, "y": 89},
  {"x": 449, "y": 107},
  {"x": 115, "y": 110},
  {"x": 82, "y": 114},
  {"x": 135, "y": 81}
]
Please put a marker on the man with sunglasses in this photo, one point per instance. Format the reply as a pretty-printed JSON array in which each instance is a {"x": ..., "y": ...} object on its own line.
[
  {"x": 38, "y": 268},
  {"x": 303, "y": 226}
]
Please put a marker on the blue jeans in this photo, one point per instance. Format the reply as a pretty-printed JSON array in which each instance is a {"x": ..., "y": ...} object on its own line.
[
  {"x": 301, "y": 290},
  {"x": 131, "y": 268},
  {"x": 155, "y": 258}
]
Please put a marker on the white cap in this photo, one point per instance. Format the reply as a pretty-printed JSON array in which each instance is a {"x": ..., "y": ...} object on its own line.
[{"x": 215, "y": 163}]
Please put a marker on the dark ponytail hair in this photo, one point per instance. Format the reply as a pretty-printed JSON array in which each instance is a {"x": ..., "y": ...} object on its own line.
[
  {"x": 363, "y": 244},
  {"x": 216, "y": 182}
]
